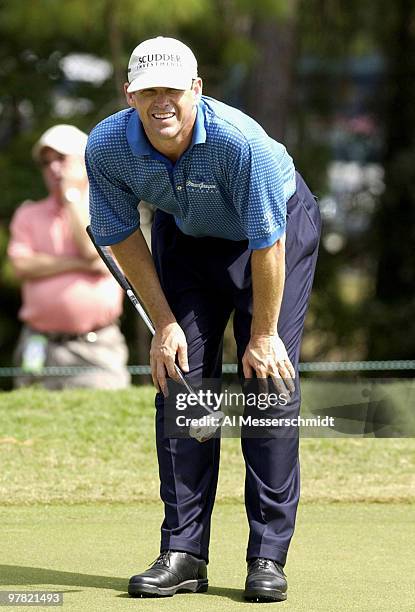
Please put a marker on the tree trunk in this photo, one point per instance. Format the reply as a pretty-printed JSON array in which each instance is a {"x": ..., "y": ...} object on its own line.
[
  {"x": 270, "y": 82},
  {"x": 115, "y": 43}
]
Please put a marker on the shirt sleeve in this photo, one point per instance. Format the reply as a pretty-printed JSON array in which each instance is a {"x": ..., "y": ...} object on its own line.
[
  {"x": 21, "y": 232},
  {"x": 113, "y": 207},
  {"x": 257, "y": 184}
]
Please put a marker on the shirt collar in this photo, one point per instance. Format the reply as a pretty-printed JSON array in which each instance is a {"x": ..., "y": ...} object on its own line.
[
  {"x": 136, "y": 136},
  {"x": 139, "y": 143},
  {"x": 199, "y": 130}
]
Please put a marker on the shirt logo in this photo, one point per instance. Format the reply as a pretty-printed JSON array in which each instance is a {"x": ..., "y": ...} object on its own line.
[{"x": 199, "y": 183}]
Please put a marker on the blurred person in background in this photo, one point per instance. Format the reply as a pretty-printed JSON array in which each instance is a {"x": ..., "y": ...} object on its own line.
[{"x": 70, "y": 302}]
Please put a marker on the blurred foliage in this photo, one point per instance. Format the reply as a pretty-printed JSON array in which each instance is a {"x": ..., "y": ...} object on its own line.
[
  {"x": 285, "y": 63},
  {"x": 391, "y": 324}
]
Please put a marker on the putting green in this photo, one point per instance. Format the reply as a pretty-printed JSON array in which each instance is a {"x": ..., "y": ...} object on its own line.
[{"x": 343, "y": 557}]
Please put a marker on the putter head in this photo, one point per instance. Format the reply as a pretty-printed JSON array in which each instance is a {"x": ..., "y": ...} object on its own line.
[{"x": 203, "y": 432}]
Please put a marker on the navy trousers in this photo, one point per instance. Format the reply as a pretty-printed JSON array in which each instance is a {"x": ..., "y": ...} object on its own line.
[{"x": 205, "y": 280}]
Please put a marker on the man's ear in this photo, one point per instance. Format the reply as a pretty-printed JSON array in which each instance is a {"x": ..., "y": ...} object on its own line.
[
  {"x": 129, "y": 96},
  {"x": 197, "y": 88}
]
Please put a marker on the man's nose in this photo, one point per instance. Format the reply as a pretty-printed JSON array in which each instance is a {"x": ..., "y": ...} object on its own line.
[
  {"x": 56, "y": 165},
  {"x": 162, "y": 99}
]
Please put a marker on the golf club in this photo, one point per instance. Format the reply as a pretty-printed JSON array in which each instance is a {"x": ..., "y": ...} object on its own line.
[{"x": 199, "y": 431}]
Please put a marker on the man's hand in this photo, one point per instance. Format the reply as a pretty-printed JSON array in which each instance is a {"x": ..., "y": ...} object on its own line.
[
  {"x": 94, "y": 266},
  {"x": 168, "y": 341},
  {"x": 74, "y": 178},
  {"x": 266, "y": 356},
  {"x": 74, "y": 196}
]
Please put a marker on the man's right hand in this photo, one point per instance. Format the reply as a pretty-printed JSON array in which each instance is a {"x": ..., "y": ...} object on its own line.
[{"x": 168, "y": 341}]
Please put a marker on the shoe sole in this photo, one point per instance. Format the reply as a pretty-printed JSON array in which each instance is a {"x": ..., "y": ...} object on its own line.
[
  {"x": 149, "y": 590},
  {"x": 264, "y": 594}
]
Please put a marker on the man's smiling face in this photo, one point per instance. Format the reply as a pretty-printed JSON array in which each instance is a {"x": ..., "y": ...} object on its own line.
[{"x": 167, "y": 115}]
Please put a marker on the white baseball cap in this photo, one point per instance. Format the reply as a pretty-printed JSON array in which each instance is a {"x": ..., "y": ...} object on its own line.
[
  {"x": 161, "y": 62},
  {"x": 63, "y": 138}
]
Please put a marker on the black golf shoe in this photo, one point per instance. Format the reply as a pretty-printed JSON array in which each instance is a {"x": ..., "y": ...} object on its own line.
[
  {"x": 171, "y": 572},
  {"x": 265, "y": 581}
]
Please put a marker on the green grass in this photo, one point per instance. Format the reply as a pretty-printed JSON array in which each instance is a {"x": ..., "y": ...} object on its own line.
[
  {"x": 343, "y": 557},
  {"x": 98, "y": 446},
  {"x": 80, "y": 509}
]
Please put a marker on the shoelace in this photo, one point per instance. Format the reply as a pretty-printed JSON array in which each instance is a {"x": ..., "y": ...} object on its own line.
[
  {"x": 162, "y": 559},
  {"x": 264, "y": 563}
]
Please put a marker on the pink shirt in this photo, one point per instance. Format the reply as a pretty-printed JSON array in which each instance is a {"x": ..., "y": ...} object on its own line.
[{"x": 71, "y": 302}]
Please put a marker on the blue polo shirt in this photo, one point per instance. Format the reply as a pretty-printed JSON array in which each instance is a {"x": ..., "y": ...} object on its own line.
[{"x": 233, "y": 181}]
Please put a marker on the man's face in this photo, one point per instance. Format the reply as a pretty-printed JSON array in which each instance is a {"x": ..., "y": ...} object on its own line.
[
  {"x": 166, "y": 114},
  {"x": 56, "y": 168}
]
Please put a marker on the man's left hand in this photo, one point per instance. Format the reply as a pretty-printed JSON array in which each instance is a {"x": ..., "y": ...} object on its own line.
[{"x": 266, "y": 356}]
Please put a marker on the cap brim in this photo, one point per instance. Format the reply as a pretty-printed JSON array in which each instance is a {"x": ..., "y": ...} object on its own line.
[
  {"x": 172, "y": 80},
  {"x": 38, "y": 148},
  {"x": 46, "y": 144},
  {"x": 63, "y": 138}
]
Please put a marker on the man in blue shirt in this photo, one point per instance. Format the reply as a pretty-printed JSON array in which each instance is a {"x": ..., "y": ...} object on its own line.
[{"x": 236, "y": 230}]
